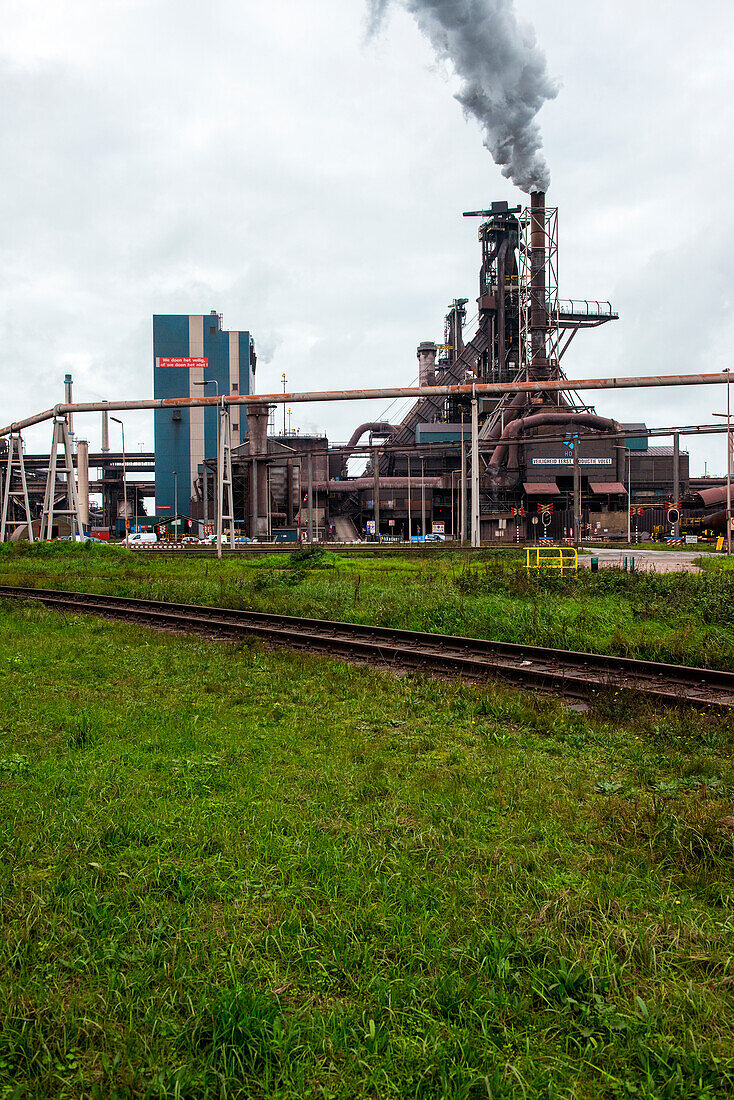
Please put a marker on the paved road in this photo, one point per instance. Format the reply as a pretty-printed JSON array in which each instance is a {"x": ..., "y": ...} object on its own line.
[{"x": 657, "y": 561}]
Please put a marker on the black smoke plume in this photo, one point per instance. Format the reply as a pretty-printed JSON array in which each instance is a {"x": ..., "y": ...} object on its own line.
[{"x": 504, "y": 74}]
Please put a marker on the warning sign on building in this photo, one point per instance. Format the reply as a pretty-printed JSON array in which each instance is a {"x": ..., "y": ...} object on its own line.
[{"x": 184, "y": 361}]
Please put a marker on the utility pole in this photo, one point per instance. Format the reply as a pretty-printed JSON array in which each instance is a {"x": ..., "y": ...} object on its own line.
[{"x": 475, "y": 541}]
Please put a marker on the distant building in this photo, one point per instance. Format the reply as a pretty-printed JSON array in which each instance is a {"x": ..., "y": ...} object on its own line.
[{"x": 189, "y": 349}]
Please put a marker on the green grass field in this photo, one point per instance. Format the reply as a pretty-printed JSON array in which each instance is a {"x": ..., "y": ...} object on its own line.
[
  {"x": 228, "y": 872},
  {"x": 683, "y": 618}
]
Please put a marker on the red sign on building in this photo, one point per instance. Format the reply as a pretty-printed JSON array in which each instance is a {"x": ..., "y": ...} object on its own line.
[{"x": 182, "y": 361}]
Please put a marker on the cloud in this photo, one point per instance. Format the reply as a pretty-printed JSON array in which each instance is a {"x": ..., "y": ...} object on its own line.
[{"x": 262, "y": 162}]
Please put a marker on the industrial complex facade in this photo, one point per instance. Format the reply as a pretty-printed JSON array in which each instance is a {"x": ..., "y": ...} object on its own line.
[
  {"x": 545, "y": 462},
  {"x": 188, "y": 350}
]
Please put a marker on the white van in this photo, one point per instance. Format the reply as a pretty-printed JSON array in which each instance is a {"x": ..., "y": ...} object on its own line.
[{"x": 140, "y": 536}]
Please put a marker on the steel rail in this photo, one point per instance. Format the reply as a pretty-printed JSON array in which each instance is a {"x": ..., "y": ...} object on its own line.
[
  {"x": 467, "y": 389},
  {"x": 570, "y": 673}
]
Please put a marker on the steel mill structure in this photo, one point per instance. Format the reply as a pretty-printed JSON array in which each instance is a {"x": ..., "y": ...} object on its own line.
[
  {"x": 542, "y": 456},
  {"x": 496, "y": 445}
]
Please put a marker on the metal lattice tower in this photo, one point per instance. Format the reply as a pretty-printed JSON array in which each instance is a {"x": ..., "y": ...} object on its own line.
[
  {"x": 15, "y": 444},
  {"x": 224, "y": 473},
  {"x": 72, "y": 511}
]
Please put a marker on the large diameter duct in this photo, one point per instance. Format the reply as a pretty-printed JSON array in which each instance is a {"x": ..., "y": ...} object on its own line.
[
  {"x": 505, "y": 453},
  {"x": 426, "y": 353},
  {"x": 257, "y": 427},
  {"x": 82, "y": 467},
  {"x": 376, "y": 427}
]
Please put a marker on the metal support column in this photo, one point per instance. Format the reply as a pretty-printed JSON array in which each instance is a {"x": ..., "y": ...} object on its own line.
[
  {"x": 462, "y": 486},
  {"x": 61, "y": 438},
  {"x": 253, "y": 497},
  {"x": 629, "y": 497},
  {"x": 576, "y": 496},
  {"x": 310, "y": 497},
  {"x": 15, "y": 442},
  {"x": 676, "y": 483},
  {"x": 376, "y": 468},
  {"x": 410, "y": 518},
  {"x": 728, "y": 465},
  {"x": 224, "y": 478},
  {"x": 475, "y": 540}
]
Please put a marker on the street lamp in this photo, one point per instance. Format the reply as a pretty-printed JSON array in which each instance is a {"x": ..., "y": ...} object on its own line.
[
  {"x": 217, "y": 493},
  {"x": 124, "y": 476}
]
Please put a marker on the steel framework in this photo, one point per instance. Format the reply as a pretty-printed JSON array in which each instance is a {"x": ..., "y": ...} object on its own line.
[{"x": 15, "y": 443}]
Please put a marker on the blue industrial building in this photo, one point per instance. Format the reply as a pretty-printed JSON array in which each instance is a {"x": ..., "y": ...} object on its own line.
[{"x": 185, "y": 437}]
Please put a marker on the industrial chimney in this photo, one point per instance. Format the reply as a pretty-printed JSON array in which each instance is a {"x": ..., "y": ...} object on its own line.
[
  {"x": 538, "y": 304},
  {"x": 427, "y": 363}
]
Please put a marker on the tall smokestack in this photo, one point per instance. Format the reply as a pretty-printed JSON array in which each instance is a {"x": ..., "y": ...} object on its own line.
[
  {"x": 427, "y": 363},
  {"x": 538, "y": 306},
  {"x": 105, "y": 432}
]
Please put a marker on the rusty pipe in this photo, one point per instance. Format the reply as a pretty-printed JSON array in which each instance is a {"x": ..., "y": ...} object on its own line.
[
  {"x": 514, "y": 430},
  {"x": 489, "y": 389},
  {"x": 378, "y": 427}
]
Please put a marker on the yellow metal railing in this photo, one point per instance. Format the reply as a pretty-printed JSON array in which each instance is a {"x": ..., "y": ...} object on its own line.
[{"x": 562, "y": 558}]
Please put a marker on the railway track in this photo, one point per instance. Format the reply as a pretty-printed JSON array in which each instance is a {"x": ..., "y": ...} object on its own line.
[{"x": 572, "y": 674}]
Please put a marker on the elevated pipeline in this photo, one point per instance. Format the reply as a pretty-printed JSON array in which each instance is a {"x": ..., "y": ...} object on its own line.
[
  {"x": 375, "y": 427},
  {"x": 506, "y": 455}
]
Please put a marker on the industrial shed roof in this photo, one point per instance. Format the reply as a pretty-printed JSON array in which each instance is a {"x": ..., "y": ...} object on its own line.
[{"x": 541, "y": 489}]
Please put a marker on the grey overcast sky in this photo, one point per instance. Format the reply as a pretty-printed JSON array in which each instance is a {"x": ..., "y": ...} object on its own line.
[{"x": 261, "y": 158}]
